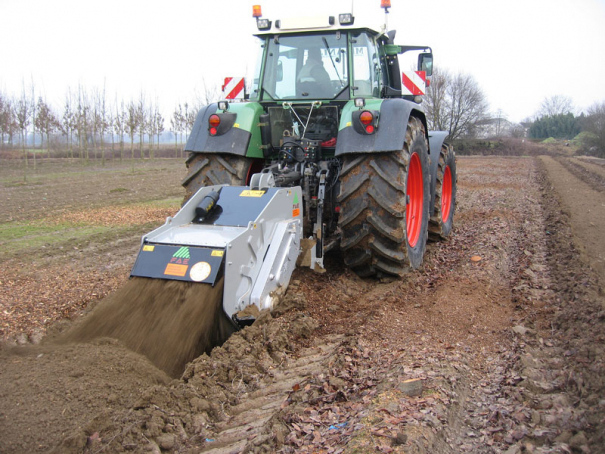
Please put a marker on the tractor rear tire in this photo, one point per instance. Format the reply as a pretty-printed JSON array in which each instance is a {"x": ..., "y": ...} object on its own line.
[
  {"x": 384, "y": 207},
  {"x": 442, "y": 219},
  {"x": 207, "y": 169}
]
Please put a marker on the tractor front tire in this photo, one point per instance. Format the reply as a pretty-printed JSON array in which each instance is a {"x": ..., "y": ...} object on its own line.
[
  {"x": 207, "y": 169},
  {"x": 442, "y": 219},
  {"x": 384, "y": 207}
]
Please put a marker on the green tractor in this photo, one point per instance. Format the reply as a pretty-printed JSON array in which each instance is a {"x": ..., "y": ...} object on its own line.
[{"x": 328, "y": 112}]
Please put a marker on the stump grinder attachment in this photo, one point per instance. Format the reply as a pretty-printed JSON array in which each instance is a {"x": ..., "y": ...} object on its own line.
[{"x": 251, "y": 235}]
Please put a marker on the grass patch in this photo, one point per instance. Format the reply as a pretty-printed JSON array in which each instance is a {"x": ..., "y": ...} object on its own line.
[
  {"x": 18, "y": 184},
  {"x": 18, "y": 238},
  {"x": 172, "y": 202},
  {"x": 44, "y": 242},
  {"x": 16, "y": 230},
  {"x": 116, "y": 190}
]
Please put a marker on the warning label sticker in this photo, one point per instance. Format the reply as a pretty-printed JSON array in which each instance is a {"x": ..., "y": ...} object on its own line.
[
  {"x": 252, "y": 193},
  {"x": 295, "y": 206},
  {"x": 172, "y": 269},
  {"x": 148, "y": 248},
  {"x": 217, "y": 253}
]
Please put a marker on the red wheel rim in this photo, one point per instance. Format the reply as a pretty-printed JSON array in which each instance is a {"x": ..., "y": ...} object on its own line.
[
  {"x": 446, "y": 194},
  {"x": 255, "y": 167},
  {"x": 415, "y": 200}
]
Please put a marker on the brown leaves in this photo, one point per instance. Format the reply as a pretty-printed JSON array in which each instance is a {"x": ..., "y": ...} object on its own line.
[
  {"x": 116, "y": 216},
  {"x": 35, "y": 298}
]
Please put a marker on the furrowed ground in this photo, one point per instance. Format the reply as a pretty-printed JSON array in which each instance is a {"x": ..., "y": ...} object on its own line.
[{"x": 495, "y": 345}]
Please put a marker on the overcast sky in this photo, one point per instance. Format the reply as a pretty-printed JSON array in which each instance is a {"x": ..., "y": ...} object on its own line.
[{"x": 519, "y": 51}]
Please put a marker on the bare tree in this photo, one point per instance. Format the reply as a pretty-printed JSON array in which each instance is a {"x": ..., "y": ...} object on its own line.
[
  {"x": 555, "y": 105},
  {"x": 7, "y": 120},
  {"x": 119, "y": 125},
  {"x": 159, "y": 126},
  {"x": 209, "y": 94},
  {"x": 468, "y": 107},
  {"x": 82, "y": 124},
  {"x": 190, "y": 120},
  {"x": 141, "y": 113},
  {"x": 33, "y": 107},
  {"x": 110, "y": 124},
  {"x": 456, "y": 103},
  {"x": 500, "y": 123},
  {"x": 100, "y": 120},
  {"x": 517, "y": 131},
  {"x": 435, "y": 99},
  {"x": 24, "y": 115},
  {"x": 185, "y": 122},
  {"x": 132, "y": 124},
  {"x": 68, "y": 123},
  {"x": 176, "y": 124},
  {"x": 46, "y": 122},
  {"x": 150, "y": 127}
]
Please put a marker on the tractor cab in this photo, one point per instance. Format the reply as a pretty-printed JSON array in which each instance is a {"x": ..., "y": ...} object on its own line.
[
  {"x": 327, "y": 58},
  {"x": 330, "y": 65}
]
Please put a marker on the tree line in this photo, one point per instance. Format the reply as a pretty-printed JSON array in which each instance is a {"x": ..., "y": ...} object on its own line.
[
  {"x": 455, "y": 103},
  {"x": 556, "y": 119},
  {"x": 89, "y": 125}
]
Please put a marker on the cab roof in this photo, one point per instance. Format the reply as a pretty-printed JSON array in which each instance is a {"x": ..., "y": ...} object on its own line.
[{"x": 314, "y": 24}]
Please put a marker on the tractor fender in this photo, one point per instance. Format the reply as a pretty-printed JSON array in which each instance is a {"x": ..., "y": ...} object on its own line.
[
  {"x": 241, "y": 139},
  {"x": 436, "y": 139},
  {"x": 390, "y": 132}
]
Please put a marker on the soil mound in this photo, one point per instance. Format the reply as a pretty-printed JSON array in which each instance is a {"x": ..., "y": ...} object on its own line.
[
  {"x": 47, "y": 391},
  {"x": 170, "y": 322}
]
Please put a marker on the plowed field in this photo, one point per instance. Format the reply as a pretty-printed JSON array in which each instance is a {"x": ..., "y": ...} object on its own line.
[{"x": 496, "y": 344}]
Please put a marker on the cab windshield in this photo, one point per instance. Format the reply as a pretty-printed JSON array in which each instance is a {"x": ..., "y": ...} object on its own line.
[{"x": 306, "y": 66}]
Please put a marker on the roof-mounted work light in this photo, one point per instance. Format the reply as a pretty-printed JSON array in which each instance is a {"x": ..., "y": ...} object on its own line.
[
  {"x": 262, "y": 24},
  {"x": 346, "y": 19}
]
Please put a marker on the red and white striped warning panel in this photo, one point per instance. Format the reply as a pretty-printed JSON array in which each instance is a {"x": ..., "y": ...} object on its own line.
[
  {"x": 234, "y": 88},
  {"x": 414, "y": 83}
]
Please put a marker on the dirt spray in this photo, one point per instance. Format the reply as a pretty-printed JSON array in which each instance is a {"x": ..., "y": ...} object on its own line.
[{"x": 170, "y": 322}]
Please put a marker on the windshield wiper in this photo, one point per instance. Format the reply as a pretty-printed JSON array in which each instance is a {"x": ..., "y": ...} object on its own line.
[{"x": 332, "y": 60}]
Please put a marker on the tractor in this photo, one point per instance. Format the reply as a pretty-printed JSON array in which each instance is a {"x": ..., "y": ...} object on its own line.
[{"x": 328, "y": 148}]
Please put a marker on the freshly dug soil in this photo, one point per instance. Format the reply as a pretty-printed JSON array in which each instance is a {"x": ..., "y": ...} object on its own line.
[
  {"x": 170, "y": 322},
  {"x": 48, "y": 391}
]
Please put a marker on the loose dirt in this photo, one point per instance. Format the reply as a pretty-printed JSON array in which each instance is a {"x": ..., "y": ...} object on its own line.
[
  {"x": 171, "y": 323},
  {"x": 47, "y": 392},
  {"x": 584, "y": 202},
  {"x": 495, "y": 345}
]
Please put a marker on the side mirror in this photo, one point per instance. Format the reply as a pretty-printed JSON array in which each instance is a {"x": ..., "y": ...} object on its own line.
[
  {"x": 425, "y": 63},
  {"x": 280, "y": 71}
]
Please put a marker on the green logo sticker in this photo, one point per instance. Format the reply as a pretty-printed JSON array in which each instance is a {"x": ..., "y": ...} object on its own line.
[{"x": 182, "y": 253}]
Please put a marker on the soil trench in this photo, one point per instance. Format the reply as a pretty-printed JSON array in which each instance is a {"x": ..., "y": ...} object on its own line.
[{"x": 586, "y": 206}]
